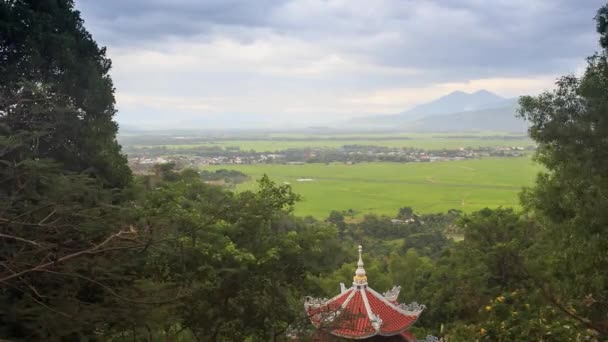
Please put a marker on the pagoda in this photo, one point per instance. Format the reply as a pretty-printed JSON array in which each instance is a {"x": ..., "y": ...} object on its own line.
[{"x": 360, "y": 313}]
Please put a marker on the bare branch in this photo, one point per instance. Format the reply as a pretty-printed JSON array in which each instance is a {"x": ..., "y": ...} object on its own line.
[
  {"x": 28, "y": 212},
  {"x": 112, "y": 292},
  {"x": 20, "y": 239},
  {"x": 39, "y": 302},
  {"x": 29, "y": 224},
  {"x": 93, "y": 250},
  {"x": 48, "y": 216}
]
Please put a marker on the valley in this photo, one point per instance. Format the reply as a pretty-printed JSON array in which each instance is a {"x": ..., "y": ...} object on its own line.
[{"x": 383, "y": 188}]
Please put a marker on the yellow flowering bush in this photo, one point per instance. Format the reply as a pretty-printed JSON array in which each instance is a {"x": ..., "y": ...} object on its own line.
[{"x": 510, "y": 316}]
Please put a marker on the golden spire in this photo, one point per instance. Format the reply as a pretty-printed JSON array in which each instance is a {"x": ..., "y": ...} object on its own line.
[{"x": 360, "y": 278}]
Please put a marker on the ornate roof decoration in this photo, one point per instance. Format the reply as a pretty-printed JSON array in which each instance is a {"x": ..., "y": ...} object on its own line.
[
  {"x": 412, "y": 307},
  {"x": 392, "y": 294},
  {"x": 360, "y": 278},
  {"x": 360, "y": 312}
]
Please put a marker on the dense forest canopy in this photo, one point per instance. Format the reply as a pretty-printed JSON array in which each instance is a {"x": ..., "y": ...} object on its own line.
[{"x": 89, "y": 252}]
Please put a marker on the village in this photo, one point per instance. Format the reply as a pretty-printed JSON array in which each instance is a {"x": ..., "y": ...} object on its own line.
[{"x": 143, "y": 159}]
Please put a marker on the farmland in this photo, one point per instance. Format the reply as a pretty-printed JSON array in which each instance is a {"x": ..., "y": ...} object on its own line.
[
  {"x": 379, "y": 187},
  {"x": 424, "y": 143},
  {"x": 382, "y": 188},
  {"x": 275, "y": 142}
]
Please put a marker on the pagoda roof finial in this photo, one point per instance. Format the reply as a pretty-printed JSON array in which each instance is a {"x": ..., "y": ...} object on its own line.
[
  {"x": 360, "y": 278},
  {"x": 359, "y": 312}
]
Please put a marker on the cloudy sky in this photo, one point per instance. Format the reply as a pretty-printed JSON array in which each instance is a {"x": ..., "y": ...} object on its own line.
[{"x": 292, "y": 62}]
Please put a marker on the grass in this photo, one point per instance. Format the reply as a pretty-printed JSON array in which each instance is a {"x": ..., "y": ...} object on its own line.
[
  {"x": 423, "y": 143},
  {"x": 277, "y": 141},
  {"x": 382, "y": 188}
]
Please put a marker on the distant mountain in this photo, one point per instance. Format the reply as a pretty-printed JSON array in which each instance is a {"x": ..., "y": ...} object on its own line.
[
  {"x": 454, "y": 112},
  {"x": 454, "y": 102},
  {"x": 501, "y": 119}
]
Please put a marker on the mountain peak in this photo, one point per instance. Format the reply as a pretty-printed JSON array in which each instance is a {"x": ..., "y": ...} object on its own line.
[
  {"x": 456, "y": 93},
  {"x": 456, "y": 101},
  {"x": 486, "y": 93}
]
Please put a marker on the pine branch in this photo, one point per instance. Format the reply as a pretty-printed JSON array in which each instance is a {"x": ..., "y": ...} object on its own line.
[
  {"x": 112, "y": 292},
  {"x": 93, "y": 250},
  {"x": 20, "y": 239}
]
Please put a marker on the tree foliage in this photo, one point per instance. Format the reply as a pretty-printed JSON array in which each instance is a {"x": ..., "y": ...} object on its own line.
[
  {"x": 56, "y": 93},
  {"x": 62, "y": 178},
  {"x": 570, "y": 125},
  {"x": 243, "y": 259}
]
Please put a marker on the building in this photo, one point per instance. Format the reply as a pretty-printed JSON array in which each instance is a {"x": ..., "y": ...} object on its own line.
[{"x": 360, "y": 313}]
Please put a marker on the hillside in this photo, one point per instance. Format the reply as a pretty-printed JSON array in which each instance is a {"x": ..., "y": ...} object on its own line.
[
  {"x": 456, "y": 101},
  {"x": 457, "y": 111},
  {"x": 491, "y": 119}
]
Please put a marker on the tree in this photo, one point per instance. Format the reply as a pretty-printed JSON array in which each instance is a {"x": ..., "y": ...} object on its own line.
[
  {"x": 68, "y": 263},
  {"x": 489, "y": 261},
  {"x": 409, "y": 271},
  {"x": 500, "y": 237},
  {"x": 405, "y": 213},
  {"x": 244, "y": 260},
  {"x": 570, "y": 125},
  {"x": 337, "y": 218},
  {"x": 56, "y": 94},
  {"x": 66, "y": 266},
  {"x": 430, "y": 243}
]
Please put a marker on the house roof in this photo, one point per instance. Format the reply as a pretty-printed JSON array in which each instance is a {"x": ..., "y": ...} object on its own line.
[{"x": 359, "y": 312}]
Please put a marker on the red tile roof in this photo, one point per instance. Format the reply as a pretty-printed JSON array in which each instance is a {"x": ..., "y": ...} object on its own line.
[{"x": 361, "y": 312}]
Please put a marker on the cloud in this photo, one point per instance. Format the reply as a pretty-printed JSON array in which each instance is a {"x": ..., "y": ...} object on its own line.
[{"x": 323, "y": 59}]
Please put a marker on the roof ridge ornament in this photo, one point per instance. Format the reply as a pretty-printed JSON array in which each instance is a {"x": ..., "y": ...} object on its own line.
[
  {"x": 392, "y": 294},
  {"x": 376, "y": 321},
  {"x": 360, "y": 278},
  {"x": 412, "y": 307}
]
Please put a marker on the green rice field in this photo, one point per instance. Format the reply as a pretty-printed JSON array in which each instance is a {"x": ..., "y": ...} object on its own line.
[
  {"x": 382, "y": 188},
  {"x": 428, "y": 144},
  {"x": 277, "y": 142}
]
